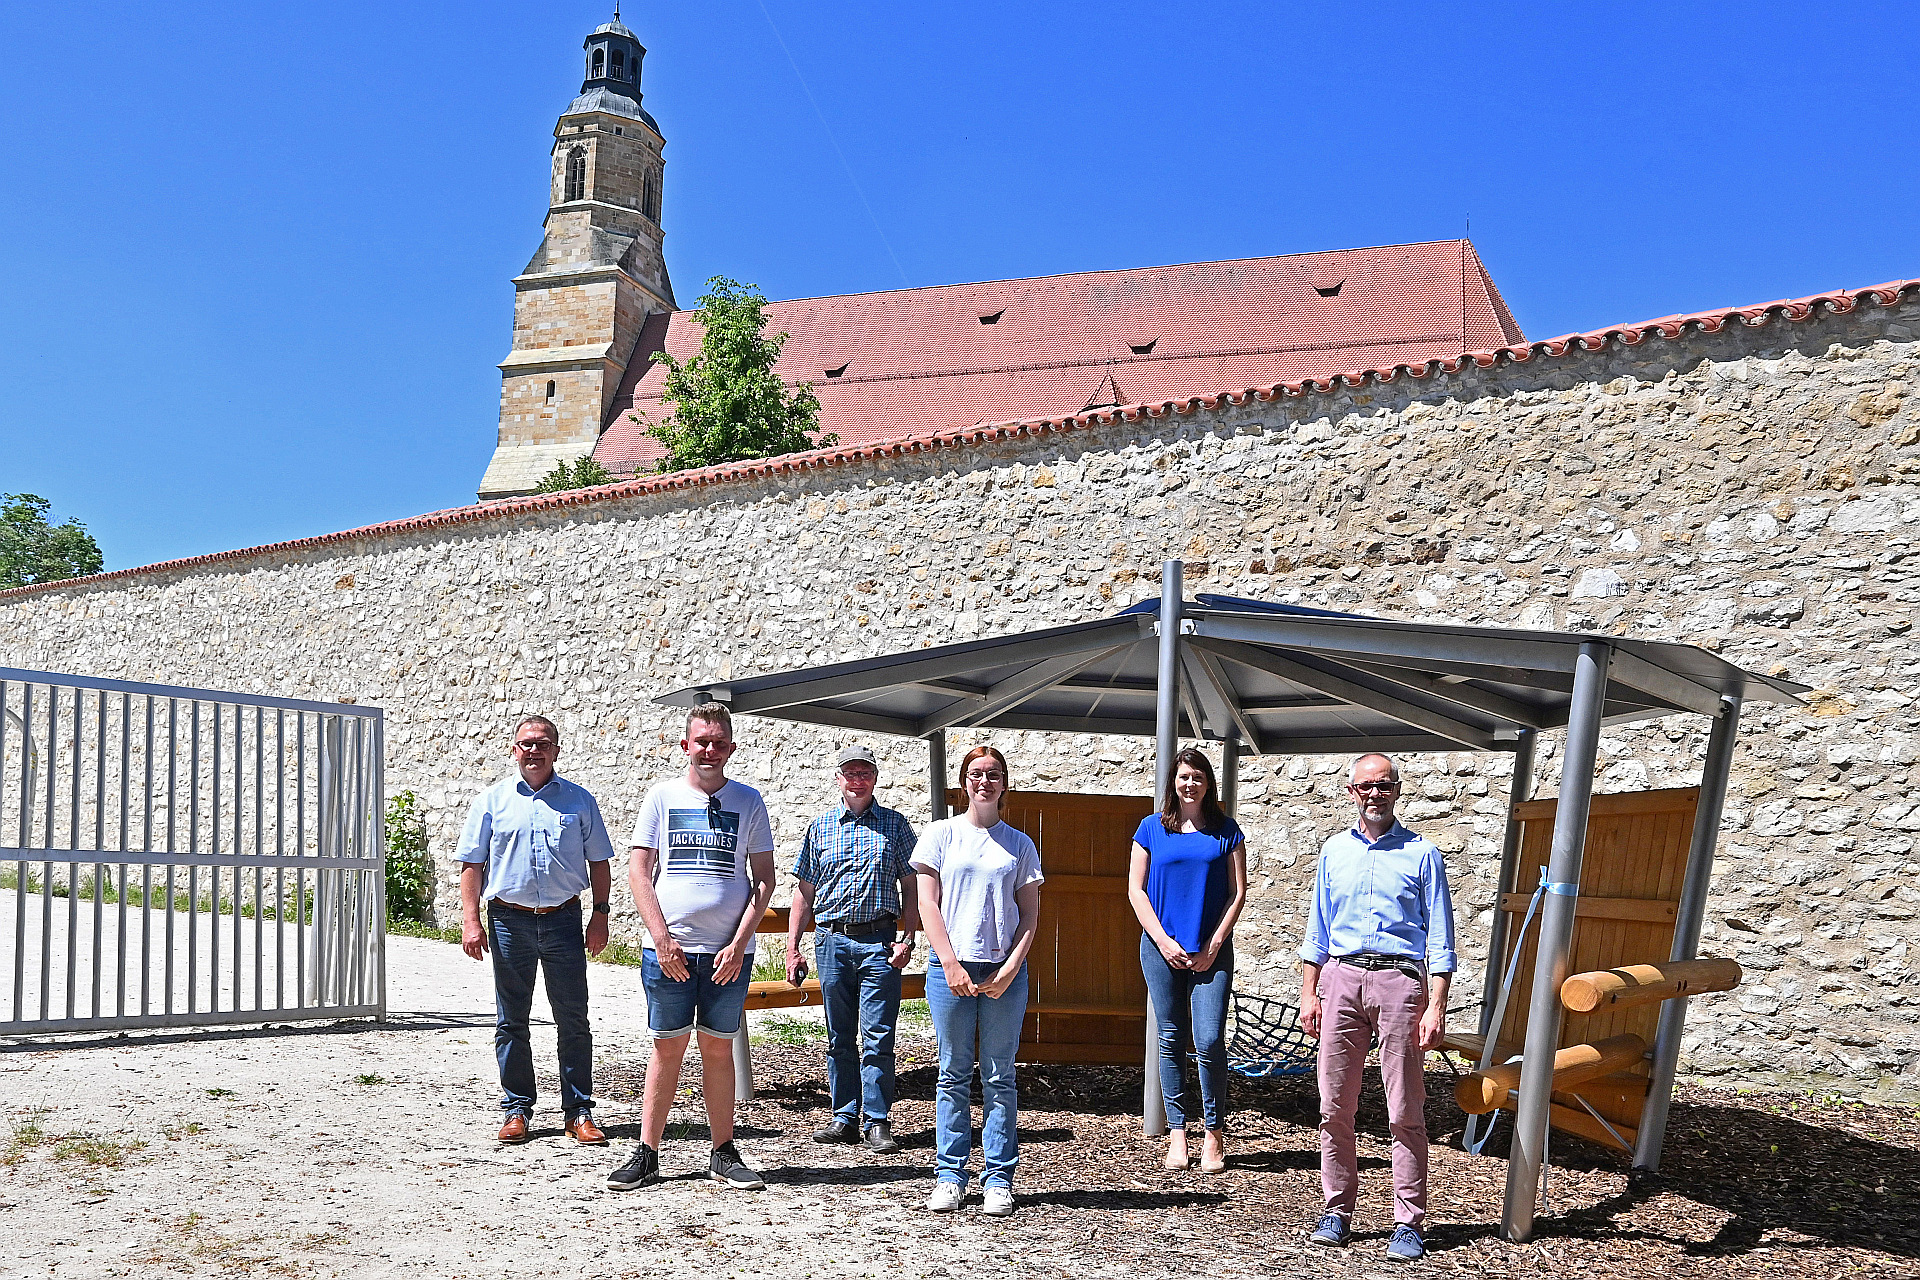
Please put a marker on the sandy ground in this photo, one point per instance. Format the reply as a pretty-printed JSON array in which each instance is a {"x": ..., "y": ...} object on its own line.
[{"x": 356, "y": 1149}]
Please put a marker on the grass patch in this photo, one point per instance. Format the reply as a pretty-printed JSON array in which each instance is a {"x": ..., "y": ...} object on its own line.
[
  {"x": 106, "y": 889},
  {"x": 784, "y": 1029},
  {"x": 185, "y": 1129},
  {"x": 102, "y": 1153},
  {"x": 625, "y": 954},
  {"x": 414, "y": 929},
  {"x": 770, "y": 965},
  {"x": 368, "y": 1078},
  {"x": 220, "y": 1093},
  {"x": 24, "y": 1135}
]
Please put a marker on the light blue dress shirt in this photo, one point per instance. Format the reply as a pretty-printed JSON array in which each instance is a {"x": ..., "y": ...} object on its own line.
[
  {"x": 536, "y": 844},
  {"x": 1387, "y": 896}
]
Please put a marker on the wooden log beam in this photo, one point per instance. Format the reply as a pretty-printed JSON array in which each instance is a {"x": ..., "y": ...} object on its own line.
[
  {"x": 781, "y": 994},
  {"x": 1478, "y": 1093},
  {"x": 1634, "y": 984}
]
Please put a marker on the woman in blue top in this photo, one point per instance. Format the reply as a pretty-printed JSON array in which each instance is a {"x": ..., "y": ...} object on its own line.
[{"x": 1188, "y": 883}]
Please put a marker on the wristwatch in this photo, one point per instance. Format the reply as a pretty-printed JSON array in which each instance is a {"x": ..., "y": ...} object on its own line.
[{"x": 602, "y": 908}]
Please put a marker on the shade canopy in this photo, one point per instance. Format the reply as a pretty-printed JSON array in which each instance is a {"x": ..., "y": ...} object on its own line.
[{"x": 1276, "y": 678}]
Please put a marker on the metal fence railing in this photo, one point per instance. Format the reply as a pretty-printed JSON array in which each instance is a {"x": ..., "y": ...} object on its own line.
[{"x": 181, "y": 857}]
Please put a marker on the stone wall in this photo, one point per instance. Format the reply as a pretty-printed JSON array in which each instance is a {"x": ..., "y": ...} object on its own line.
[{"x": 1752, "y": 490}]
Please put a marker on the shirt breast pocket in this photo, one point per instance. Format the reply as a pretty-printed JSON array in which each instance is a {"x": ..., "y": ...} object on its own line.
[{"x": 565, "y": 835}]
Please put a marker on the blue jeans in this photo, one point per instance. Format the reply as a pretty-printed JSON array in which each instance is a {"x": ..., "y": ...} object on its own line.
[
  {"x": 862, "y": 995},
  {"x": 523, "y": 943},
  {"x": 958, "y": 1022},
  {"x": 1192, "y": 1006},
  {"x": 675, "y": 1006}
]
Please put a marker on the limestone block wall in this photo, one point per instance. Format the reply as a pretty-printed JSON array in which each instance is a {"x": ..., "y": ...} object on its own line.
[{"x": 1753, "y": 490}]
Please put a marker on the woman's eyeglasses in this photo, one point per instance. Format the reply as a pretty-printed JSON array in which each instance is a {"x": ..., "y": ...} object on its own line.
[{"x": 992, "y": 775}]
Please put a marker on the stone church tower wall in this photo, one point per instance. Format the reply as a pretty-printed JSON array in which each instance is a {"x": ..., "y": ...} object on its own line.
[
  {"x": 1754, "y": 487},
  {"x": 600, "y": 271}
]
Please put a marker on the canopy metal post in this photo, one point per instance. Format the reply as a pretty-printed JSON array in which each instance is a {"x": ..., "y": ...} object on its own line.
[
  {"x": 1686, "y": 930},
  {"x": 1166, "y": 724},
  {"x": 1586, "y": 710},
  {"x": 937, "y": 774},
  {"x": 1166, "y": 721},
  {"x": 1519, "y": 791},
  {"x": 1230, "y": 776}
]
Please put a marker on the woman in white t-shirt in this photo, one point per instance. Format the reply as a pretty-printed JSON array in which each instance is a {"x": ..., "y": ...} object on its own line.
[{"x": 979, "y": 903}]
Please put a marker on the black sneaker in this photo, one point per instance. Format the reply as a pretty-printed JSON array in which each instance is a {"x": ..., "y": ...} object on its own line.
[
  {"x": 726, "y": 1166},
  {"x": 880, "y": 1137},
  {"x": 839, "y": 1129},
  {"x": 641, "y": 1169}
]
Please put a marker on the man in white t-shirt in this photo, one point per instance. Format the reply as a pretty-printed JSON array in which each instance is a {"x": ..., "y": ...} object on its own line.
[{"x": 701, "y": 872}]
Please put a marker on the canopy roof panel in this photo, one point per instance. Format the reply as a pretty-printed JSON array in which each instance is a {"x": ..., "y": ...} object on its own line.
[{"x": 1277, "y": 678}]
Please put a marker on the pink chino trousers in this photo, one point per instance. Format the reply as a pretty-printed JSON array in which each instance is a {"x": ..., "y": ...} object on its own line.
[{"x": 1356, "y": 1004}]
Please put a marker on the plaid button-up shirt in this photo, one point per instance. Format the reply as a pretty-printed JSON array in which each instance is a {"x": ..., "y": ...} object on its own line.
[{"x": 855, "y": 861}]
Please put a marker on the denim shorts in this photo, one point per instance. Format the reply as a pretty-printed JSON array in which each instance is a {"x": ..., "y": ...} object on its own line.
[{"x": 676, "y": 1008}]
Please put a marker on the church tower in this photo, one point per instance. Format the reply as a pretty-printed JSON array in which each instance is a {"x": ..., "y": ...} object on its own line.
[{"x": 579, "y": 306}]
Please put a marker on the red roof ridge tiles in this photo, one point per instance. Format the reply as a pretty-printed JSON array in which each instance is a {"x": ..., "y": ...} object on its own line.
[{"x": 1670, "y": 328}]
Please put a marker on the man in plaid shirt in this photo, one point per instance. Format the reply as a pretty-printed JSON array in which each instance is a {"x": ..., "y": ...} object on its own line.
[{"x": 856, "y": 888}]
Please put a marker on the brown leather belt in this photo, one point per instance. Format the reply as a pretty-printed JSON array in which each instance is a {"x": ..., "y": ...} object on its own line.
[{"x": 503, "y": 905}]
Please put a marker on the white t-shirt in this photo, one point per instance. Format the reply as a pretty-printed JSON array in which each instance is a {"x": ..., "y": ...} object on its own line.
[
  {"x": 701, "y": 877},
  {"x": 979, "y": 870}
]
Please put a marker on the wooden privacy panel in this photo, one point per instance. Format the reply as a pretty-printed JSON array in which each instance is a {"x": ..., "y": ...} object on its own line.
[
  {"x": 1630, "y": 880},
  {"x": 1086, "y": 999}
]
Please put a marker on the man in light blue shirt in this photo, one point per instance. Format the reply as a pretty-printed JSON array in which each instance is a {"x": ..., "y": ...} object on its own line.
[
  {"x": 532, "y": 845},
  {"x": 1377, "y": 961}
]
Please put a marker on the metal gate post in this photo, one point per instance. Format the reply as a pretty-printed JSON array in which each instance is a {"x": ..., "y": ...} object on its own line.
[
  {"x": 1518, "y": 791},
  {"x": 1686, "y": 928},
  {"x": 1586, "y": 710}
]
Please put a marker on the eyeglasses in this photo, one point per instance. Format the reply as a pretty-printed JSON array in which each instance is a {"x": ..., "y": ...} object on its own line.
[
  {"x": 536, "y": 744},
  {"x": 713, "y": 812},
  {"x": 990, "y": 775},
  {"x": 1374, "y": 787}
]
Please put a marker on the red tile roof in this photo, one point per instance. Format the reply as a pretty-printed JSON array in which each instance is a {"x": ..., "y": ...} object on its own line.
[
  {"x": 1669, "y": 328},
  {"x": 919, "y": 359}
]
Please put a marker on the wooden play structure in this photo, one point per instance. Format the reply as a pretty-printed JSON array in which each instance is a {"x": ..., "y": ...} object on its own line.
[{"x": 1624, "y": 920}]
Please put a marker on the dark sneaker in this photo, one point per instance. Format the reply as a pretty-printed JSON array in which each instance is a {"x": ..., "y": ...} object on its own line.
[
  {"x": 839, "y": 1129},
  {"x": 880, "y": 1138},
  {"x": 641, "y": 1169},
  {"x": 1332, "y": 1233},
  {"x": 726, "y": 1166},
  {"x": 1406, "y": 1245}
]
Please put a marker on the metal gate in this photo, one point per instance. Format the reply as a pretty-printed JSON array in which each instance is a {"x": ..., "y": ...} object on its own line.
[{"x": 180, "y": 857}]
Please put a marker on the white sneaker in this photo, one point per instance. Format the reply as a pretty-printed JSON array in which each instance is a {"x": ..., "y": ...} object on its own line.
[
  {"x": 945, "y": 1197},
  {"x": 999, "y": 1203}
]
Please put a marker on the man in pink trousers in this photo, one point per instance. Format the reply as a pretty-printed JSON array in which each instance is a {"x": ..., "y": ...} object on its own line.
[{"x": 1377, "y": 960}]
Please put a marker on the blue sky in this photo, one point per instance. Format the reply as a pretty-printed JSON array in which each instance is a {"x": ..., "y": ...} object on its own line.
[{"x": 257, "y": 256}]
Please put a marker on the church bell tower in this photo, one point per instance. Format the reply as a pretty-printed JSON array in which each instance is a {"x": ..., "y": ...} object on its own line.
[{"x": 579, "y": 306}]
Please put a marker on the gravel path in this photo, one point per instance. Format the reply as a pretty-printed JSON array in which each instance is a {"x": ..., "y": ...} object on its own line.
[{"x": 362, "y": 1150}]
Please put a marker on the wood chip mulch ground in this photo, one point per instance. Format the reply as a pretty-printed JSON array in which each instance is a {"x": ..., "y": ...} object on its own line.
[{"x": 1753, "y": 1183}]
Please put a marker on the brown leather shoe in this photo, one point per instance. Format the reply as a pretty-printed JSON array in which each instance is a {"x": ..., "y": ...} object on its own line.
[
  {"x": 515, "y": 1129},
  {"x": 585, "y": 1132}
]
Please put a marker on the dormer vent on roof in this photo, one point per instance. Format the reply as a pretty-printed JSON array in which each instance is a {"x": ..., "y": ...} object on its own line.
[
  {"x": 994, "y": 318},
  {"x": 1143, "y": 348},
  {"x": 834, "y": 373},
  {"x": 1327, "y": 288}
]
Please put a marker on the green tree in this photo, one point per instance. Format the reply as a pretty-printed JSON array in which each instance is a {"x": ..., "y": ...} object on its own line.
[
  {"x": 727, "y": 403},
  {"x": 34, "y": 550},
  {"x": 409, "y": 867},
  {"x": 583, "y": 473}
]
